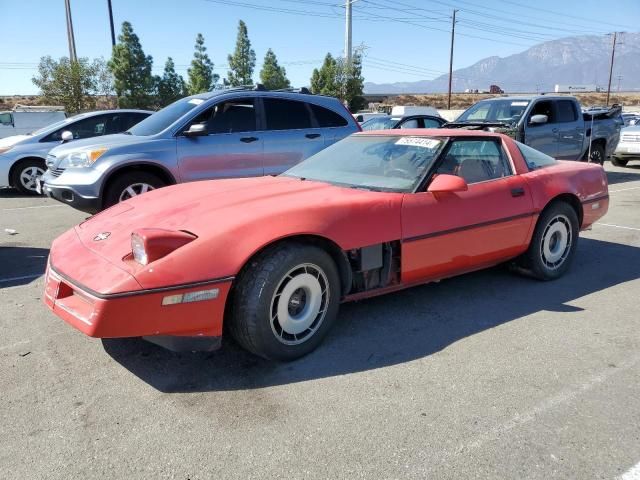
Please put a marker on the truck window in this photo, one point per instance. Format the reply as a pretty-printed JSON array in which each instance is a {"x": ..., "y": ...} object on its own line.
[
  {"x": 5, "y": 119},
  {"x": 534, "y": 158},
  {"x": 566, "y": 111},
  {"x": 544, "y": 107}
]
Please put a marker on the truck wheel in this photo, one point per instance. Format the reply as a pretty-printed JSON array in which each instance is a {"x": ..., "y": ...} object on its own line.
[
  {"x": 618, "y": 162},
  {"x": 285, "y": 301},
  {"x": 129, "y": 185},
  {"x": 553, "y": 243},
  {"x": 597, "y": 154},
  {"x": 25, "y": 174}
]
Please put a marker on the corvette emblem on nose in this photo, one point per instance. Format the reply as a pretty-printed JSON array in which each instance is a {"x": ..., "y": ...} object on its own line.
[{"x": 101, "y": 236}]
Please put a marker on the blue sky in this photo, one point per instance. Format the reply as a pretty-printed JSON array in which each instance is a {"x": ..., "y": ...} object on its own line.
[{"x": 406, "y": 40}]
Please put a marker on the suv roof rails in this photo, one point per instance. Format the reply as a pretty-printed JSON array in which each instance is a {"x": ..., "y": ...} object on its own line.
[
  {"x": 303, "y": 90},
  {"x": 259, "y": 87}
]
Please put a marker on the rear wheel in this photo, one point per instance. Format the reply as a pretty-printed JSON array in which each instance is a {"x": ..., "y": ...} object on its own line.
[
  {"x": 285, "y": 301},
  {"x": 618, "y": 162},
  {"x": 25, "y": 175},
  {"x": 597, "y": 154},
  {"x": 553, "y": 243},
  {"x": 129, "y": 185}
]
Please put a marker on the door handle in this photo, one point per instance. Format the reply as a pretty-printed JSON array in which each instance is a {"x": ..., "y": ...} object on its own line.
[
  {"x": 312, "y": 135},
  {"x": 517, "y": 192},
  {"x": 554, "y": 130},
  {"x": 568, "y": 137},
  {"x": 248, "y": 139}
]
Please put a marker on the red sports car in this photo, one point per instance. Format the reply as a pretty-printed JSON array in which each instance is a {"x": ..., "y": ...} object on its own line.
[{"x": 273, "y": 257}]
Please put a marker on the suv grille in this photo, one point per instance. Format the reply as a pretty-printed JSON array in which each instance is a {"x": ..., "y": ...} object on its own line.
[
  {"x": 56, "y": 172},
  {"x": 631, "y": 137}
]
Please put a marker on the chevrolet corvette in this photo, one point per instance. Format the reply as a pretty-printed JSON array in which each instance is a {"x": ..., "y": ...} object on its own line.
[{"x": 271, "y": 258}]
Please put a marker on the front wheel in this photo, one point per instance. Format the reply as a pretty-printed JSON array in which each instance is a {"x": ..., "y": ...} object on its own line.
[
  {"x": 285, "y": 301},
  {"x": 554, "y": 242},
  {"x": 25, "y": 175},
  {"x": 129, "y": 185},
  {"x": 618, "y": 162}
]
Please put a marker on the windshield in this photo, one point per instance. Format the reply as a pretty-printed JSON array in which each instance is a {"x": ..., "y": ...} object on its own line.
[
  {"x": 503, "y": 111},
  {"x": 162, "y": 119},
  {"x": 380, "y": 163},
  {"x": 380, "y": 123}
]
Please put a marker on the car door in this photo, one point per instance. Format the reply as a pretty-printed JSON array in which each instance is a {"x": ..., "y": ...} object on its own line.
[
  {"x": 232, "y": 147},
  {"x": 542, "y": 137},
  {"x": 291, "y": 134},
  {"x": 446, "y": 234},
  {"x": 570, "y": 130}
]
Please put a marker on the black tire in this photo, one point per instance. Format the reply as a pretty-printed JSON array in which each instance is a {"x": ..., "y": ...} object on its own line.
[
  {"x": 618, "y": 162},
  {"x": 265, "y": 286},
  {"x": 119, "y": 185},
  {"x": 22, "y": 175},
  {"x": 597, "y": 154},
  {"x": 541, "y": 259}
]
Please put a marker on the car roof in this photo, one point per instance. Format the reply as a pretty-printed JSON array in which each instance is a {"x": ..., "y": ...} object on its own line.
[{"x": 429, "y": 132}]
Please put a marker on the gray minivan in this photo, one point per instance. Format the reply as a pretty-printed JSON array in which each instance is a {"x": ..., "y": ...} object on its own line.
[{"x": 238, "y": 132}]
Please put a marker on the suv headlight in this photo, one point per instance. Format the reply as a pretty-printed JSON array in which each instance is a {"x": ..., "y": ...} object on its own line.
[{"x": 81, "y": 158}]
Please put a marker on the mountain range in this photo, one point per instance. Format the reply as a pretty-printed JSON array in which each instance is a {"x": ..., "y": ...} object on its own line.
[{"x": 572, "y": 60}]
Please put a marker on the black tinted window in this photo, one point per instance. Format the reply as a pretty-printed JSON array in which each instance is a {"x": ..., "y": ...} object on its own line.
[
  {"x": 327, "y": 118},
  {"x": 87, "y": 128},
  {"x": 544, "y": 108},
  {"x": 566, "y": 111},
  {"x": 229, "y": 117},
  {"x": 286, "y": 114}
]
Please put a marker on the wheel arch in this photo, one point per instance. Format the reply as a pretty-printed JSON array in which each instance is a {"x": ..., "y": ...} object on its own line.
[
  {"x": 570, "y": 199},
  {"x": 150, "y": 167},
  {"x": 16, "y": 164}
]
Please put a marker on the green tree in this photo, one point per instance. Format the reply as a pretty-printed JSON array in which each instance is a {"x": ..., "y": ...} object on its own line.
[
  {"x": 201, "y": 76},
  {"x": 131, "y": 68},
  {"x": 272, "y": 75},
  {"x": 171, "y": 86},
  {"x": 341, "y": 80},
  {"x": 104, "y": 81},
  {"x": 243, "y": 60},
  {"x": 70, "y": 84}
]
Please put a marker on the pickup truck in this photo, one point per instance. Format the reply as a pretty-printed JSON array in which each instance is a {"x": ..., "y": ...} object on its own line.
[{"x": 555, "y": 125}]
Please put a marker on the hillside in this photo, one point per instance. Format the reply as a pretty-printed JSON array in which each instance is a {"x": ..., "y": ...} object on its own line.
[{"x": 580, "y": 60}]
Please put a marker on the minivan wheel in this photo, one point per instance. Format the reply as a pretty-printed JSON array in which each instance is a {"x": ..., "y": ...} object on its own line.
[
  {"x": 25, "y": 175},
  {"x": 129, "y": 185}
]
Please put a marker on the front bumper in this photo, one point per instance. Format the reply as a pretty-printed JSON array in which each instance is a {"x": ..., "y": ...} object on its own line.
[
  {"x": 184, "y": 326},
  {"x": 79, "y": 188},
  {"x": 627, "y": 150},
  {"x": 69, "y": 196}
]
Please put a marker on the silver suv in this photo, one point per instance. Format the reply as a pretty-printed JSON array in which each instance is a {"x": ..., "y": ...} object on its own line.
[{"x": 221, "y": 134}]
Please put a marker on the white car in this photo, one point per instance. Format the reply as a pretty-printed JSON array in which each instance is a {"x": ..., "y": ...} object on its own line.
[{"x": 628, "y": 147}]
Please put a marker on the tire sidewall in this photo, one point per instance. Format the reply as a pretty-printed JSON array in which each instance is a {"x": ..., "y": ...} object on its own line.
[
  {"x": 618, "y": 162},
  {"x": 535, "y": 262},
  {"x": 120, "y": 183},
  {"x": 265, "y": 343},
  {"x": 17, "y": 173},
  {"x": 599, "y": 151}
]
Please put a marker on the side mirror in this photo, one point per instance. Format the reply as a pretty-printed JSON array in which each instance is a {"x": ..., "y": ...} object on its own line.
[
  {"x": 196, "y": 130},
  {"x": 66, "y": 136},
  {"x": 539, "y": 119},
  {"x": 444, "y": 183}
]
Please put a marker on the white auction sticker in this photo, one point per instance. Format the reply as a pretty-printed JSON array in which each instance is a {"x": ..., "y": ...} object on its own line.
[
  {"x": 519, "y": 104},
  {"x": 419, "y": 142},
  {"x": 196, "y": 101}
]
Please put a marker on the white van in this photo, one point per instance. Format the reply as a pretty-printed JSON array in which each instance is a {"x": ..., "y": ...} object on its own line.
[
  {"x": 403, "y": 111},
  {"x": 23, "y": 120}
]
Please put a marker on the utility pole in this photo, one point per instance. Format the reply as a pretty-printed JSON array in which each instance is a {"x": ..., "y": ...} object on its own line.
[
  {"x": 613, "y": 55},
  {"x": 347, "y": 32},
  {"x": 619, "y": 77},
  {"x": 72, "y": 40},
  {"x": 113, "y": 32},
  {"x": 453, "y": 34}
]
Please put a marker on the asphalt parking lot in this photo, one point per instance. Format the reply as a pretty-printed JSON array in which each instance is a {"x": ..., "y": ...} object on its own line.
[{"x": 488, "y": 375}]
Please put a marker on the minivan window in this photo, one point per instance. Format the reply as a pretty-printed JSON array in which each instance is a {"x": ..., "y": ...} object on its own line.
[
  {"x": 5, "y": 119},
  {"x": 286, "y": 114},
  {"x": 162, "y": 119},
  {"x": 327, "y": 118}
]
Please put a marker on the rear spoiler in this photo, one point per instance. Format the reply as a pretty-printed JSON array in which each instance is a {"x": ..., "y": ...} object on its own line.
[{"x": 601, "y": 113}]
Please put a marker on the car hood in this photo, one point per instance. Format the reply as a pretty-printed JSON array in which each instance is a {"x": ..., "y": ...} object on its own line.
[
  {"x": 108, "y": 141},
  {"x": 234, "y": 218},
  {"x": 13, "y": 140}
]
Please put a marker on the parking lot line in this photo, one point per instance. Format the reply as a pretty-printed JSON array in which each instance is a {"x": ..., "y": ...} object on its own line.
[
  {"x": 632, "y": 474},
  {"x": 624, "y": 189},
  {"x": 618, "y": 226},
  {"x": 23, "y": 277},
  {"x": 27, "y": 208}
]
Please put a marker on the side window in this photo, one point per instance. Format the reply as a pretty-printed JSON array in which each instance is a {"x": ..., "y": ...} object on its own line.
[
  {"x": 534, "y": 158},
  {"x": 327, "y": 118},
  {"x": 130, "y": 119},
  {"x": 566, "y": 111},
  {"x": 431, "y": 123},
  {"x": 114, "y": 123},
  {"x": 544, "y": 107},
  {"x": 413, "y": 123},
  {"x": 5, "y": 119},
  {"x": 286, "y": 114},
  {"x": 87, "y": 128},
  {"x": 475, "y": 161},
  {"x": 229, "y": 117}
]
